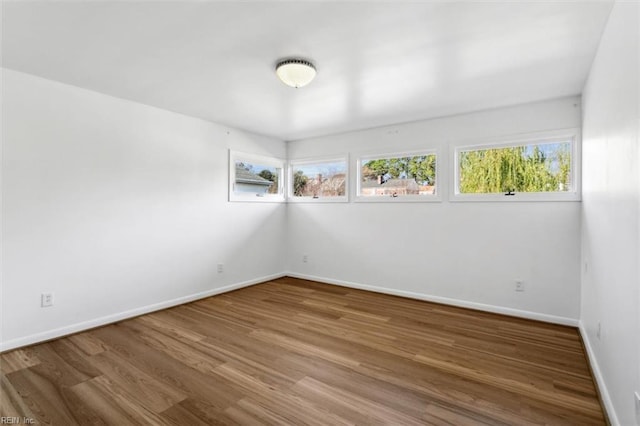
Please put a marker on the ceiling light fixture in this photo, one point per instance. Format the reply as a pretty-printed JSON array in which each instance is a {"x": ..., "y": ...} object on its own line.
[{"x": 295, "y": 72}]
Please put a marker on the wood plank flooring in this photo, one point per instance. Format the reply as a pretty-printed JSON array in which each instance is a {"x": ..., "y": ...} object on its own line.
[{"x": 291, "y": 351}]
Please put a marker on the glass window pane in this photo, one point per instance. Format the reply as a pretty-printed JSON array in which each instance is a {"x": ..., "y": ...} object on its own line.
[
  {"x": 541, "y": 167},
  {"x": 321, "y": 179},
  {"x": 398, "y": 176},
  {"x": 256, "y": 178}
]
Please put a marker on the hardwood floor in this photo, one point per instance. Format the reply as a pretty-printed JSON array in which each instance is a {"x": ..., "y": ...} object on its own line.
[{"x": 298, "y": 352}]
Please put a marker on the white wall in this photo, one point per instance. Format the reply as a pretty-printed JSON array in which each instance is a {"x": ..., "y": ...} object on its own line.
[
  {"x": 610, "y": 234},
  {"x": 464, "y": 252},
  {"x": 117, "y": 208}
]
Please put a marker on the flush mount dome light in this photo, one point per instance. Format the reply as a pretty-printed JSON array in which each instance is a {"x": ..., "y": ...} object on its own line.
[{"x": 295, "y": 72}]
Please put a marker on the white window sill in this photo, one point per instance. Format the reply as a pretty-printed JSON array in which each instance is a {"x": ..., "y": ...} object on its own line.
[
  {"x": 399, "y": 199},
  {"x": 313, "y": 200},
  {"x": 517, "y": 197}
]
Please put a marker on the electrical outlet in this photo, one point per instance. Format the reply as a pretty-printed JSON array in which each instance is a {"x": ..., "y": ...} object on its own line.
[
  {"x": 599, "y": 331},
  {"x": 220, "y": 268},
  {"x": 305, "y": 258},
  {"x": 519, "y": 285},
  {"x": 46, "y": 300}
]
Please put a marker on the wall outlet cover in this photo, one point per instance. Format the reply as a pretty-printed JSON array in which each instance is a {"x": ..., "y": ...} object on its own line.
[{"x": 46, "y": 300}]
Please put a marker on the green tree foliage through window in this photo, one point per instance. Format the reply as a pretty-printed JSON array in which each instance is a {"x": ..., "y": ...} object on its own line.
[
  {"x": 270, "y": 176},
  {"x": 299, "y": 183},
  {"x": 542, "y": 167},
  {"x": 422, "y": 168}
]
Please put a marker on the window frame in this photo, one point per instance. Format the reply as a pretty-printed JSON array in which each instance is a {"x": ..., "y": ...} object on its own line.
[
  {"x": 318, "y": 160},
  {"x": 235, "y": 156},
  {"x": 364, "y": 157},
  {"x": 572, "y": 135}
]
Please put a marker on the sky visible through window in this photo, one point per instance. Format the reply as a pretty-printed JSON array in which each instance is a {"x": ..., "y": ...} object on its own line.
[
  {"x": 256, "y": 168},
  {"x": 324, "y": 169}
]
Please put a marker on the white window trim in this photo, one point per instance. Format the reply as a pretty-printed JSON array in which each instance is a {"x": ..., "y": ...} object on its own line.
[
  {"x": 437, "y": 197},
  {"x": 572, "y": 134},
  {"x": 315, "y": 160},
  {"x": 235, "y": 156}
]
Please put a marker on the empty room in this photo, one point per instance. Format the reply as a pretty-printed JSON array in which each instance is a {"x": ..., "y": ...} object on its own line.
[{"x": 320, "y": 212}]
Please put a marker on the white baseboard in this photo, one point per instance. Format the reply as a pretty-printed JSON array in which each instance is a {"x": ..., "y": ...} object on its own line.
[
  {"x": 97, "y": 322},
  {"x": 85, "y": 325},
  {"x": 602, "y": 386},
  {"x": 444, "y": 300}
]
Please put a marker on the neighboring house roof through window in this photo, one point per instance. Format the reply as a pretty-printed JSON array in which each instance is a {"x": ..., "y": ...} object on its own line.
[{"x": 245, "y": 176}]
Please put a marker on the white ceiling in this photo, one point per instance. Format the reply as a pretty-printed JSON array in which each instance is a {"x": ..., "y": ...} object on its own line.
[{"x": 378, "y": 62}]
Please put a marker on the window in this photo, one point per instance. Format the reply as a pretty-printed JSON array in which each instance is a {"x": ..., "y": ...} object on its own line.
[
  {"x": 318, "y": 180},
  {"x": 406, "y": 177},
  {"x": 255, "y": 178},
  {"x": 537, "y": 168}
]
